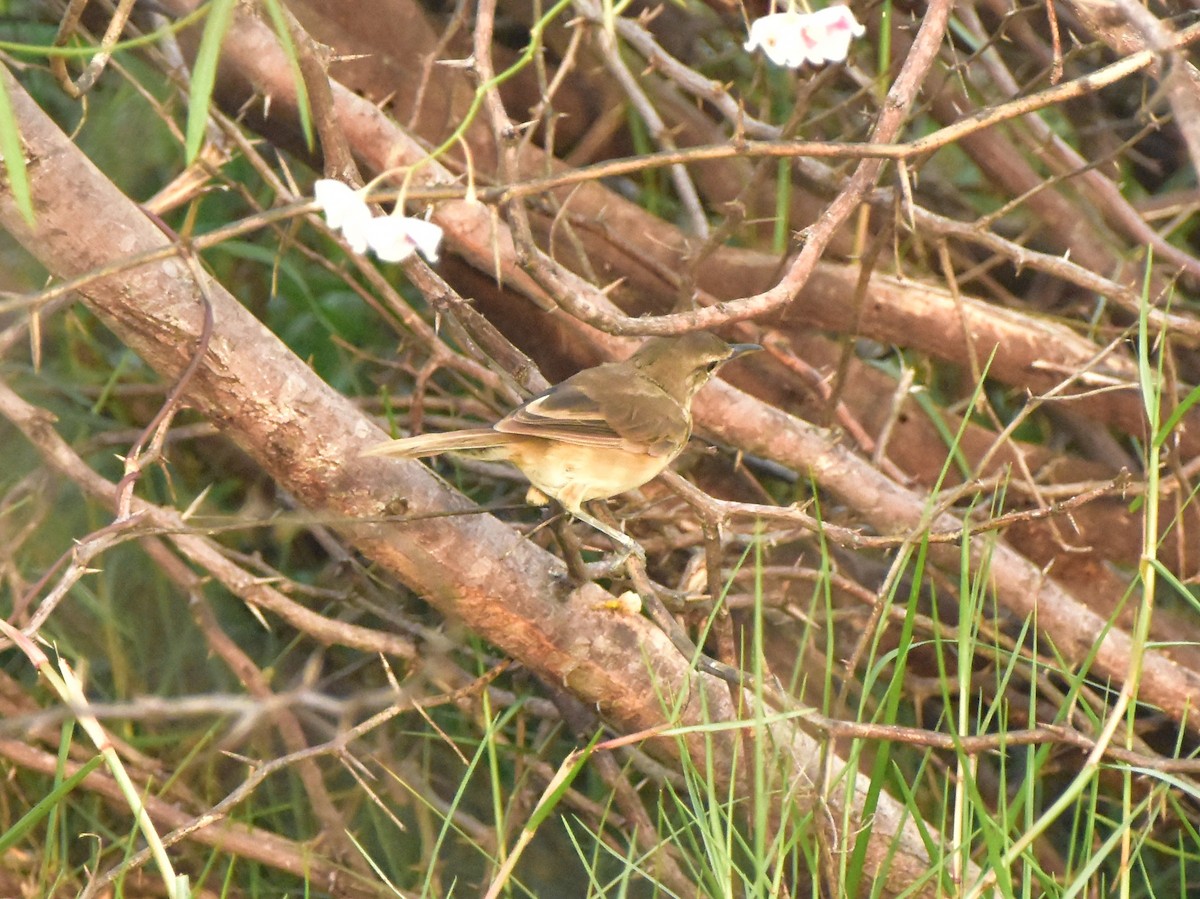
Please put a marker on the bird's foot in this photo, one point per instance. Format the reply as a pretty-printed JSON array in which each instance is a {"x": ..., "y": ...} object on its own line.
[{"x": 618, "y": 563}]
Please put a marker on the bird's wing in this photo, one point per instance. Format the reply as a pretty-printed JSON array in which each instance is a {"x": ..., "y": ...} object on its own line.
[{"x": 594, "y": 409}]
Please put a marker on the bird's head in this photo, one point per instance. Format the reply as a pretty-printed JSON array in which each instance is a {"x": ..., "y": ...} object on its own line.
[{"x": 682, "y": 365}]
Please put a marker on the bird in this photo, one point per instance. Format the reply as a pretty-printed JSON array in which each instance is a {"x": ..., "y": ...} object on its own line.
[{"x": 601, "y": 432}]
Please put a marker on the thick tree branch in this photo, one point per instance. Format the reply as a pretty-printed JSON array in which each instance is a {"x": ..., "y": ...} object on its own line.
[{"x": 309, "y": 438}]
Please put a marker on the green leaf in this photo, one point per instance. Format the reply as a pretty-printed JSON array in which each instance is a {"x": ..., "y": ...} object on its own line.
[
  {"x": 14, "y": 153},
  {"x": 87, "y": 51},
  {"x": 1151, "y": 385},
  {"x": 289, "y": 48},
  {"x": 1181, "y": 410},
  {"x": 46, "y": 805},
  {"x": 204, "y": 74}
]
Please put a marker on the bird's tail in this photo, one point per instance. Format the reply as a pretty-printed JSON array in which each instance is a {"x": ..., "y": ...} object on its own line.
[{"x": 479, "y": 439}]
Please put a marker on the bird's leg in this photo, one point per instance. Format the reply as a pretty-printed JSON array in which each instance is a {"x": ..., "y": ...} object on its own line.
[
  {"x": 572, "y": 551},
  {"x": 628, "y": 545}
]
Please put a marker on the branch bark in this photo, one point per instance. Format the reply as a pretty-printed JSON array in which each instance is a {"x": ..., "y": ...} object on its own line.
[
  {"x": 309, "y": 439},
  {"x": 1035, "y": 351}
]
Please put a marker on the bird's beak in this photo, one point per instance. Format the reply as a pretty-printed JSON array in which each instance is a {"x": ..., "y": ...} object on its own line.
[{"x": 739, "y": 349}]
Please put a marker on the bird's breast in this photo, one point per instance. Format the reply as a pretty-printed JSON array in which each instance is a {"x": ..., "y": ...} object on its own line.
[{"x": 575, "y": 474}]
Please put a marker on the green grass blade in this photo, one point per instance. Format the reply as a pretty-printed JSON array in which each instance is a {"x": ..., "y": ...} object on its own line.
[
  {"x": 279, "y": 23},
  {"x": 14, "y": 155},
  {"x": 1181, "y": 410},
  {"x": 204, "y": 74},
  {"x": 46, "y": 805}
]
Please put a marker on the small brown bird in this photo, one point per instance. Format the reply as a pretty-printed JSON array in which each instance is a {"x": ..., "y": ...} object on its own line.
[{"x": 602, "y": 431}]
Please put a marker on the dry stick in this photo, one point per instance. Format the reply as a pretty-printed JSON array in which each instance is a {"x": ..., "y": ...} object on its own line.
[
  {"x": 542, "y": 110},
  {"x": 457, "y": 21},
  {"x": 664, "y": 858},
  {"x": 80, "y": 555},
  {"x": 1023, "y": 257},
  {"x": 156, "y": 430},
  {"x": 580, "y": 300},
  {"x": 59, "y": 456},
  {"x": 1004, "y": 437},
  {"x": 17, "y": 721},
  {"x": 690, "y": 80},
  {"x": 868, "y": 260},
  {"x": 664, "y": 862},
  {"x": 719, "y": 622},
  {"x": 1048, "y": 261},
  {"x": 1102, "y": 192},
  {"x": 436, "y": 291},
  {"x": 721, "y": 510},
  {"x": 813, "y": 381},
  {"x": 943, "y": 137},
  {"x": 242, "y": 666},
  {"x": 337, "y": 746},
  {"x": 1058, "y": 391},
  {"x": 66, "y": 29},
  {"x": 1077, "y": 631},
  {"x": 659, "y": 132},
  {"x": 308, "y": 437},
  {"x": 969, "y": 745},
  {"x": 70, "y": 689},
  {"x": 508, "y": 162},
  {"x": 904, "y": 385},
  {"x": 1126, "y": 26},
  {"x": 339, "y": 161}
]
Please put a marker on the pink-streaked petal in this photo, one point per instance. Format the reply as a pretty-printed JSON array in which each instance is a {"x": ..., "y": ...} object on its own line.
[
  {"x": 394, "y": 238},
  {"x": 792, "y": 39},
  {"x": 427, "y": 236},
  {"x": 389, "y": 240},
  {"x": 837, "y": 27}
]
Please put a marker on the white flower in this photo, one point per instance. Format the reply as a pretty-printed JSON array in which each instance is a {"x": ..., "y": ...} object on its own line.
[
  {"x": 339, "y": 201},
  {"x": 792, "y": 39},
  {"x": 393, "y": 237},
  {"x": 396, "y": 237},
  {"x": 346, "y": 210}
]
